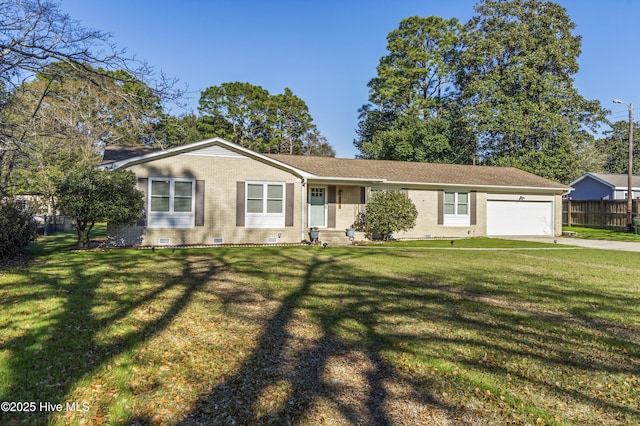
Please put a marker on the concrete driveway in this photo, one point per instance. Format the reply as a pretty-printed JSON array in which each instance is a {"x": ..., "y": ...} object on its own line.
[{"x": 580, "y": 242}]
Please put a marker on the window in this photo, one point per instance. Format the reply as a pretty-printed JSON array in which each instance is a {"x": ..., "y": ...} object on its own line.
[
  {"x": 160, "y": 196},
  {"x": 183, "y": 196},
  {"x": 255, "y": 198},
  {"x": 317, "y": 192},
  {"x": 171, "y": 202},
  {"x": 456, "y": 209},
  {"x": 265, "y": 198},
  {"x": 265, "y": 205},
  {"x": 171, "y": 195},
  {"x": 456, "y": 203}
]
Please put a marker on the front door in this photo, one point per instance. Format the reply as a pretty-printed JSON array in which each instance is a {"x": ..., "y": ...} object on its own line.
[{"x": 317, "y": 207}]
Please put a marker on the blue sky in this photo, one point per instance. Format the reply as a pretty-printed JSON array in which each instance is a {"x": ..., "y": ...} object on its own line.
[{"x": 326, "y": 51}]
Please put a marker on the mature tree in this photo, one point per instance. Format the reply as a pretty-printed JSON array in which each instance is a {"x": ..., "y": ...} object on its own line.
[
  {"x": 614, "y": 147},
  {"x": 70, "y": 119},
  {"x": 418, "y": 71},
  {"x": 412, "y": 139},
  {"x": 250, "y": 116},
  {"x": 117, "y": 110},
  {"x": 180, "y": 130},
  {"x": 388, "y": 212},
  {"x": 90, "y": 195},
  {"x": 371, "y": 121},
  {"x": 407, "y": 118},
  {"x": 235, "y": 111},
  {"x": 289, "y": 123},
  {"x": 518, "y": 62},
  {"x": 35, "y": 34},
  {"x": 317, "y": 145}
]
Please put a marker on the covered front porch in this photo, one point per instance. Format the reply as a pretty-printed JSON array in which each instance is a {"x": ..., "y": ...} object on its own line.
[{"x": 331, "y": 210}]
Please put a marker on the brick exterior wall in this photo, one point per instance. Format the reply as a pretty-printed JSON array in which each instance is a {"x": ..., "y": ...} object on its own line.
[{"x": 220, "y": 176}]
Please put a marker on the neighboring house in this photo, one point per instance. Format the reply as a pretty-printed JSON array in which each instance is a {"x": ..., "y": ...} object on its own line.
[
  {"x": 604, "y": 186},
  {"x": 217, "y": 192}
]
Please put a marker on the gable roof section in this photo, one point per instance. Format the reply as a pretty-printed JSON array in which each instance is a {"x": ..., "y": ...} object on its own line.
[
  {"x": 418, "y": 173},
  {"x": 611, "y": 180},
  {"x": 618, "y": 180},
  {"x": 203, "y": 148}
]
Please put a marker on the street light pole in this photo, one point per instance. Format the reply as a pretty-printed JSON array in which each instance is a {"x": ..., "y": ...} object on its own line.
[{"x": 630, "y": 166}]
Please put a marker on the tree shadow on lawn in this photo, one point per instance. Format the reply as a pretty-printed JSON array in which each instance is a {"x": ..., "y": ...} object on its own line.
[
  {"x": 285, "y": 354},
  {"x": 49, "y": 358},
  {"x": 344, "y": 345},
  {"x": 340, "y": 323}
]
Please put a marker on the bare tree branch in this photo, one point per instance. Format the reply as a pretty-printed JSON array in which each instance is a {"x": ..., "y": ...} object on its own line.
[{"x": 35, "y": 35}]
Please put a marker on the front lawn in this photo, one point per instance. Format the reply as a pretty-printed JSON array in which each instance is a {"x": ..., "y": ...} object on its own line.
[
  {"x": 311, "y": 335},
  {"x": 603, "y": 234}
]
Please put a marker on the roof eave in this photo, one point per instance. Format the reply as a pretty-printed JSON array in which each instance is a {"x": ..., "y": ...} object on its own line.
[
  {"x": 197, "y": 145},
  {"x": 488, "y": 188},
  {"x": 344, "y": 180},
  {"x": 594, "y": 177},
  {"x": 559, "y": 190}
]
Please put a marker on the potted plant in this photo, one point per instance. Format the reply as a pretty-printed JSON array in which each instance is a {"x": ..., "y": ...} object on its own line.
[{"x": 351, "y": 233}]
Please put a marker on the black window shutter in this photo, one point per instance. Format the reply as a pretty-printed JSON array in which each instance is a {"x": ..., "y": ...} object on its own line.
[
  {"x": 239, "y": 203},
  {"x": 440, "y": 207},
  {"x": 143, "y": 186},
  {"x": 199, "y": 213},
  {"x": 472, "y": 208},
  {"x": 288, "y": 218}
]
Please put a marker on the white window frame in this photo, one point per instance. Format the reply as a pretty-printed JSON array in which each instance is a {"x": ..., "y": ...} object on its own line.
[
  {"x": 456, "y": 218},
  {"x": 171, "y": 218},
  {"x": 264, "y": 219}
]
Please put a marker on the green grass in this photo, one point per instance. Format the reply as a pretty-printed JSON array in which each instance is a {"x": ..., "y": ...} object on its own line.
[
  {"x": 603, "y": 234},
  {"x": 411, "y": 332},
  {"x": 472, "y": 243}
]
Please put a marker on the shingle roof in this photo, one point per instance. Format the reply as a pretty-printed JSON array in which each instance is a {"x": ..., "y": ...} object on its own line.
[
  {"x": 113, "y": 153},
  {"x": 401, "y": 172},
  {"x": 618, "y": 180},
  {"x": 409, "y": 172}
]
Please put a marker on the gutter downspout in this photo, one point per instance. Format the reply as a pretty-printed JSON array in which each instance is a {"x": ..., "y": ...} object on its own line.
[{"x": 303, "y": 203}]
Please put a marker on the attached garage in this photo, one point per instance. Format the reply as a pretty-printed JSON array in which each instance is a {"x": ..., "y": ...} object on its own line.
[{"x": 523, "y": 218}]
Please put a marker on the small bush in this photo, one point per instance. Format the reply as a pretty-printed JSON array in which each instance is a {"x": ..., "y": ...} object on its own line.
[{"x": 17, "y": 228}]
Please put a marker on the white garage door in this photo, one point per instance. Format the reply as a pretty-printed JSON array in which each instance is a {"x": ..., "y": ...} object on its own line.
[{"x": 519, "y": 218}]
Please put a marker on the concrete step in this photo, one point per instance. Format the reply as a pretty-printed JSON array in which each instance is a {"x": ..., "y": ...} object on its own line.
[{"x": 334, "y": 237}]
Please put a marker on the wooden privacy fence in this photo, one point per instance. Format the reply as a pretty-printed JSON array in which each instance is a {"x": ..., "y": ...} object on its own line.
[{"x": 611, "y": 214}]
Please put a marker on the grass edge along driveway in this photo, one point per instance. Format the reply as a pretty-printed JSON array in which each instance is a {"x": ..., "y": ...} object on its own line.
[{"x": 307, "y": 335}]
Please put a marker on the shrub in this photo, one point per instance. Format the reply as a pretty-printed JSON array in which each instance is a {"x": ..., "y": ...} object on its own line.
[
  {"x": 388, "y": 212},
  {"x": 17, "y": 228},
  {"x": 90, "y": 195}
]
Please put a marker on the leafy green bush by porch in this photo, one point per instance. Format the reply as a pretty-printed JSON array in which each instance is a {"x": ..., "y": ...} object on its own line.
[{"x": 388, "y": 212}]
